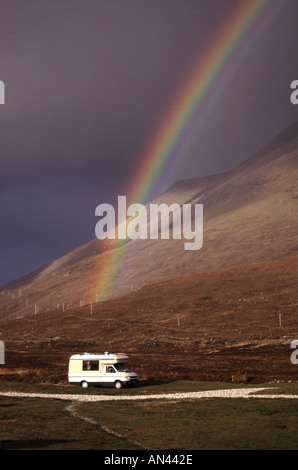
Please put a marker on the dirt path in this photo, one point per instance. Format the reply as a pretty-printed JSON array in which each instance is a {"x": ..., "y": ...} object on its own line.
[
  {"x": 73, "y": 411},
  {"x": 230, "y": 393},
  {"x": 77, "y": 399}
]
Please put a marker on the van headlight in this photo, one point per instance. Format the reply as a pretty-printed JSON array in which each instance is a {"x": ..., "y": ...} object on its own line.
[{"x": 126, "y": 377}]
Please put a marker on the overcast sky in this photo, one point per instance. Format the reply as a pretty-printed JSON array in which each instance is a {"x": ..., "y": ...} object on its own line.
[{"x": 86, "y": 83}]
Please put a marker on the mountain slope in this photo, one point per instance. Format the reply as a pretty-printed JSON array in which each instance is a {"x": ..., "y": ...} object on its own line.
[{"x": 250, "y": 215}]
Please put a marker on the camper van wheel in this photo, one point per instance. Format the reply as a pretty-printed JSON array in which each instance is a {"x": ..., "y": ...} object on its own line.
[
  {"x": 118, "y": 384},
  {"x": 84, "y": 384}
]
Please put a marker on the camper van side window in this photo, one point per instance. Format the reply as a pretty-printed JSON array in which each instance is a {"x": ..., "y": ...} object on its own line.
[{"x": 90, "y": 365}]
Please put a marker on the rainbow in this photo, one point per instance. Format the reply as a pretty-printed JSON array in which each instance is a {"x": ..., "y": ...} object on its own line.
[{"x": 189, "y": 112}]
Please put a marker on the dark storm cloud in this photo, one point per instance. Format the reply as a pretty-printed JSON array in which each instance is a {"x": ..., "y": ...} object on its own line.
[
  {"x": 86, "y": 84},
  {"x": 82, "y": 77}
]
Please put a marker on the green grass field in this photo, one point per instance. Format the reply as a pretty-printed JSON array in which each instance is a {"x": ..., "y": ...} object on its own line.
[{"x": 228, "y": 424}]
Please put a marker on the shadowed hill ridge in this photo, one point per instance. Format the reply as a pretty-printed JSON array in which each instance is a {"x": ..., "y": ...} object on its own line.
[{"x": 250, "y": 215}]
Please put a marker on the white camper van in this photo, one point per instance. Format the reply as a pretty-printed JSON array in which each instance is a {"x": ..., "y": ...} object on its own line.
[{"x": 100, "y": 369}]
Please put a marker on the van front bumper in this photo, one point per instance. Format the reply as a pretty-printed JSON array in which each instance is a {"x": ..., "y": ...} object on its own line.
[{"x": 132, "y": 380}]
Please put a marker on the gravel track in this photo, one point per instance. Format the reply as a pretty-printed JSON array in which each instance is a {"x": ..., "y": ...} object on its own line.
[
  {"x": 73, "y": 411},
  {"x": 77, "y": 399},
  {"x": 230, "y": 393}
]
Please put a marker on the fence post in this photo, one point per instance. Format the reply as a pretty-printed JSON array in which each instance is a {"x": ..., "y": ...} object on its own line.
[{"x": 2, "y": 353}]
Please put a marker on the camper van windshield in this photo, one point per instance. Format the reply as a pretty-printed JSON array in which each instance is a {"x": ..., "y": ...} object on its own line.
[{"x": 122, "y": 367}]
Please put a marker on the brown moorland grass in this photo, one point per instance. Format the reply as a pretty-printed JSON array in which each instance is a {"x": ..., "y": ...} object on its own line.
[{"x": 235, "y": 324}]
